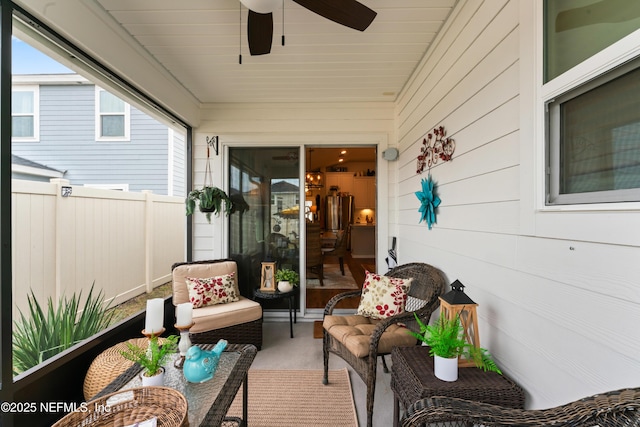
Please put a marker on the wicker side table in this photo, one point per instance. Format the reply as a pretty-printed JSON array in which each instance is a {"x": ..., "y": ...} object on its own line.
[
  {"x": 412, "y": 379},
  {"x": 291, "y": 296}
]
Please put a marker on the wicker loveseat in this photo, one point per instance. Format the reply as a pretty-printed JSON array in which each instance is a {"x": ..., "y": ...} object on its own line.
[
  {"x": 377, "y": 337},
  {"x": 617, "y": 408},
  {"x": 238, "y": 322}
]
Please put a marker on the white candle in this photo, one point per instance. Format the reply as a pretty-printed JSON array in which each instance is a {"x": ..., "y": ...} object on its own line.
[
  {"x": 184, "y": 314},
  {"x": 155, "y": 315}
]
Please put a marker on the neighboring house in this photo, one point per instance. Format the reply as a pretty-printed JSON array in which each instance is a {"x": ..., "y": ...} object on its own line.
[
  {"x": 22, "y": 168},
  {"x": 69, "y": 124}
]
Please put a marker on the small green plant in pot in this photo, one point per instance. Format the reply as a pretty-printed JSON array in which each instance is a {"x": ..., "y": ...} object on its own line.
[
  {"x": 287, "y": 279},
  {"x": 445, "y": 340},
  {"x": 209, "y": 200},
  {"x": 153, "y": 357}
]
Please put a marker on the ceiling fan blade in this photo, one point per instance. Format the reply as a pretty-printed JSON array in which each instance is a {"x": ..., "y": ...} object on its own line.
[
  {"x": 349, "y": 13},
  {"x": 259, "y": 32}
]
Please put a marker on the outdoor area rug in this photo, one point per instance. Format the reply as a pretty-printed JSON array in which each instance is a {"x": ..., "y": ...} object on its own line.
[
  {"x": 297, "y": 398},
  {"x": 333, "y": 278}
]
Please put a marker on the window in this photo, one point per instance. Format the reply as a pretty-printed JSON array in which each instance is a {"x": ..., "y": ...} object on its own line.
[
  {"x": 578, "y": 29},
  {"x": 24, "y": 113},
  {"x": 595, "y": 140},
  {"x": 112, "y": 118},
  {"x": 592, "y": 94}
]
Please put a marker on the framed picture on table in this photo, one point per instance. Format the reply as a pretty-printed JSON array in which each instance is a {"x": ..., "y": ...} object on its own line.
[{"x": 268, "y": 277}]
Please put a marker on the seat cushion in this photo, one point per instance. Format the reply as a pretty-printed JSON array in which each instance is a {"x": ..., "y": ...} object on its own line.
[
  {"x": 202, "y": 271},
  {"x": 354, "y": 332},
  {"x": 223, "y": 315}
]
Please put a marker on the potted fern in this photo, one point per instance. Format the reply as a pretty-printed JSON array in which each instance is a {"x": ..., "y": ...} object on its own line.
[
  {"x": 286, "y": 279},
  {"x": 447, "y": 344},
  {"x": 152, "y": 358},
  {"x": 209, "y": 200}
]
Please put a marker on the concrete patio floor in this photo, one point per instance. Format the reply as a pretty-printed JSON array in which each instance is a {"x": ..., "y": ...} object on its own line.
[{"x": 279, "y": 351}]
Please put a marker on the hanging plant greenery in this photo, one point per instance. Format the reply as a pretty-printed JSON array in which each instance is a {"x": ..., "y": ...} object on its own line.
[
  {"x": 428, "y": 201},
  {"x": 210, "y": 200}
]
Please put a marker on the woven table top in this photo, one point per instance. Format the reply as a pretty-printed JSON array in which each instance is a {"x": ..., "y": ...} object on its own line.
[{"x": 412, "y": 379}]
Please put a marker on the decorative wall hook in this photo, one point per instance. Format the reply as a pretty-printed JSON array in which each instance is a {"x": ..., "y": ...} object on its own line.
[
  {"x": 213, "y": 142},
  {"x": 435, "y": 146}
]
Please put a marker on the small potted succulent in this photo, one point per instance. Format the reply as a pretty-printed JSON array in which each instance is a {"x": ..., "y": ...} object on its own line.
[
  {"x": 447, "y": 344},
  {"x": 286, "y": 279},
  {"x": 152, "y": 358},
  {"x": 209, "y": 200}
]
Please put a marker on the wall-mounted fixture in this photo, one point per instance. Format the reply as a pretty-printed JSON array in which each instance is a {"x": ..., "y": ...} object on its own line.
[{"x": 390, "y": 154}]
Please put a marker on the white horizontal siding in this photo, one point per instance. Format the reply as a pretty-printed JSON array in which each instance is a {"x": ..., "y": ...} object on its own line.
[{"x": 559, "y": 307}]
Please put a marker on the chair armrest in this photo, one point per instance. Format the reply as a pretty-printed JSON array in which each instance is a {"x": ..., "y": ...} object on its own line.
[
  {"x": 331, "y": 305},
  {"x": 616, "y": 408},
  {"x": 407, "y": 317}
]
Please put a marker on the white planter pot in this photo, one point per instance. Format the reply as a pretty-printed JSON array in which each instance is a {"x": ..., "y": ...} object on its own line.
[
  {"x": 285, "y": 286},
  {"x": 445, "y": 369},
  {"x": 156, "y": 380}
]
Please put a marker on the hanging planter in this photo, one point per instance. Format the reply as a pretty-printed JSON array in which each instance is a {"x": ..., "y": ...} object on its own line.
[{"x": 210, "y": 199}]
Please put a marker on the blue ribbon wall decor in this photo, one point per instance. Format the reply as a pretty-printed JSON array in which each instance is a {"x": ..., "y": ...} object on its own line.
[{"x": 428, "y": 201}]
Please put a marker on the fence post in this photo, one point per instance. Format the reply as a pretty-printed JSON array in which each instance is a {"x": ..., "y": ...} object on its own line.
[
  {"x": 59, "y": 226},
  {"x": 148, "y": 239}
]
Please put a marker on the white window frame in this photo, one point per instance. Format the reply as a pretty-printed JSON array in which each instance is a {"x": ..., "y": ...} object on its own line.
[
  {"x": 98, "y": 121},
  {"x": 597, "y": 66},
  {"x": 35, "y": 89}
]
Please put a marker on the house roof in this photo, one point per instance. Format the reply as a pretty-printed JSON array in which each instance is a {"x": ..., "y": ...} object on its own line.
[
  {"x": 29, "y": 167},
  {"x": 284, "y": 187}
]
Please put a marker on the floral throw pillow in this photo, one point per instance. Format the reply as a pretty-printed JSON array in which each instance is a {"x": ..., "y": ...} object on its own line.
[
  {"x": 211, "y": 290},
  {"x": 383, "y": 296}
]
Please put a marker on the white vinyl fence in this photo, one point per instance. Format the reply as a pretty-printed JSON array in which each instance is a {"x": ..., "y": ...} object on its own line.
[{"x": 62, "y": 243}]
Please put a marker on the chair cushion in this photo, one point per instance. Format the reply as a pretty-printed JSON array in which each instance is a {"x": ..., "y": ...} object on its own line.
[
  {"x": 211, "y": 290},
  {"x": 383, "y": 296},
  {"x": 180, "y": 291},
  {"x": 224, "y": 315},
  {"x": 354, "y": 332}
]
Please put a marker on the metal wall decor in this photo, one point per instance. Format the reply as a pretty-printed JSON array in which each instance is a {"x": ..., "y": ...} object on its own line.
[
  {"x": 213, "y": 143},
  {"x": 435, "y": 146}
]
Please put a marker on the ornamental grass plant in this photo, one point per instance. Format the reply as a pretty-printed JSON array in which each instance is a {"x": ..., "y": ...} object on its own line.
[{"x": 47, "y": 332}]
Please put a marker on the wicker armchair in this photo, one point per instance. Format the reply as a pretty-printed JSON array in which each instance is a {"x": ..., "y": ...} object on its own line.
[
  {"x": 428, "y": 283},
  {"x": 617, "y": 408},
  {"x": 238, "y": 322}
]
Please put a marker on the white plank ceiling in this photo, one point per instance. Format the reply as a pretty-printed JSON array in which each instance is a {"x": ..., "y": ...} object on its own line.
[{"x": 199, "y": 43}]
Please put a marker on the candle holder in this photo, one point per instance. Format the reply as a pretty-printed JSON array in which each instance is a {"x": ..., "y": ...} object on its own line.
[
  {"x": 184, "y": 345},
  {"x": 153, "y": 334}
]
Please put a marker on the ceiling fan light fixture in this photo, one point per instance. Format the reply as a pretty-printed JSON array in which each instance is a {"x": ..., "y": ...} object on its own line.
[
  {"x": 262, "y": 6},
  {"x": 313, "y": 179}
]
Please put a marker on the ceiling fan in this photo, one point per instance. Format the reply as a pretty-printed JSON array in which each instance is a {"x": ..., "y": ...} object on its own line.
[{"x": 349, "y": 13}]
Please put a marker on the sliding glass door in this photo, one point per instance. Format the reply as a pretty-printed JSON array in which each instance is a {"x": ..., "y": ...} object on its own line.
[{"x": 266, "y": 182}]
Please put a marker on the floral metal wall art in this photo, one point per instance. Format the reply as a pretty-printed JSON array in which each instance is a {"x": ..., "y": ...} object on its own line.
[
  {"x": 429, "y": 201},
  {"x": 435, "y": 146}
]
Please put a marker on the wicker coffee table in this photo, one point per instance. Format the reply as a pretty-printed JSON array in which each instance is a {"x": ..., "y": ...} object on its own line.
[
  {"x": 208, "y": 402},
  {"x": 412, "y": 379}
]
